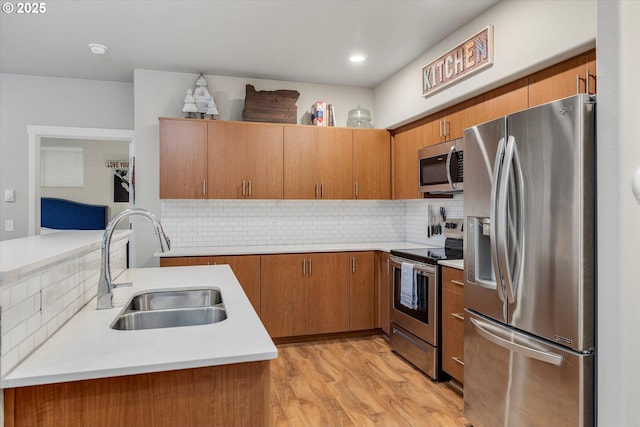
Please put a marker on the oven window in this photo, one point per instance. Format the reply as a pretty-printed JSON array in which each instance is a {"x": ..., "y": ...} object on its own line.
[{"x": 418, "y": 307}]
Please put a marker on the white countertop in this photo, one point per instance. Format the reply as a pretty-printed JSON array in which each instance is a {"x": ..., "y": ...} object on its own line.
[
  {"x": 87, "y": 348},
  {"x": 290, "y": 249},
  {"x": 454, "y": 263},
  {"x": 27, "y": 254}
]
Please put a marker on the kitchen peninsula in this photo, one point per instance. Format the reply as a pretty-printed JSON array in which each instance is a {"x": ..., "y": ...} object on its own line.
[{"x": 87, "y": 373}]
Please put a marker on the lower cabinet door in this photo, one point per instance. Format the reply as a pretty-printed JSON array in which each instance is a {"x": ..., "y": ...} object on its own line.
[
  {"x": 283, "y": 295},
  {"x": 362, "y": 297},
  {"x": 453, "y": 356},
  {"x": 327, "y": 284}
]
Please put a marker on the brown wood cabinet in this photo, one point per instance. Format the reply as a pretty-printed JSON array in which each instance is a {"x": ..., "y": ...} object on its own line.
[
  {"x": 220, "y": 160},
  {"x": 189, "y": 397},
  {"x": 453, "y": 322},
  {"x": 445, "y": 126},
  {"x": 362, "y": 295},
  {"x": 245, "y": 160},
  {"x": 371, "y": 164},
  {"x": 497, "y": 103},
  {"x": 305, "y": 294},
  {"x": 231, "y": 160},
  {"x": 183, "y": 159},
  {"x": 245, "y": 267},
  {"x": 567, "y": 78},
  {"x": 317, "y": 162},
  {"x": 405, "y": 163},
  {"x": 384, "y": 292}
]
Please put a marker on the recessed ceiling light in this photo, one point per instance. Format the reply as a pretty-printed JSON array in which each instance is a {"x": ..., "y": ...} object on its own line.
[
  {"x": 357, "y": 57},
  {"x": 98, "y": 49}
]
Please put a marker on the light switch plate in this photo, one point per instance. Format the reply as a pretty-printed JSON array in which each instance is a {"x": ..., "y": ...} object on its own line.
[
  {"x": 8, "y": 225},
  {"x": 9, "y": 195}
]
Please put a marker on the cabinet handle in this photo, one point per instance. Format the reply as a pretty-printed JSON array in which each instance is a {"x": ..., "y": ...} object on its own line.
[
  {"x": 457, "y": 282},
  {"x": 456, "y": 359},
  {"x": 443, "y": 127},
  {"x": 322, "y": 190},
  {"x": 243, "y": 189},
  {"x": 589, "y": 77},
  {"x": 388, "y": 266},
  {"x": 440, "y": 128},
  {"x": 204, "y": 187},
  {"x": 309, "y": 267},
  {"x": 356, "y": 190},
  {"x": 578, "y": 80},
  {"x": 304, "y": 267},
  {"x": 447, "y": 128},
  {"x": 458, "y": 316},
  {"x": 353, "y": 264},
  {"x": 250, "y": 188},
  {"x": 316, "y": 190}
]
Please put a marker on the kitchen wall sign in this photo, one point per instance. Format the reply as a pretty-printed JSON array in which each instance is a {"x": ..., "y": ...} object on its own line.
[{"x": 469, "y": 57}]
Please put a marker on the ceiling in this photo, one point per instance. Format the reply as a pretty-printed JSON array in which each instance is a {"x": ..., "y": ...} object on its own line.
[{"x": 293, "y": 40}]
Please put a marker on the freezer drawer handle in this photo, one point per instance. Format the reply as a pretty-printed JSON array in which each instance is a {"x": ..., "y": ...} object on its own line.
[
  {"x": 543, "y": 356},
  {"x": 457, "y": 359}
]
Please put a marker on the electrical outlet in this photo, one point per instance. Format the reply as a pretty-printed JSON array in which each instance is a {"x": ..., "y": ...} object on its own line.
[{"x": 8, "y": 225}]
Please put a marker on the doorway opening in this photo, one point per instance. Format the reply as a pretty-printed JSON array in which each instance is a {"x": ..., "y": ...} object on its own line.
[{"x": 40, "y": 136}]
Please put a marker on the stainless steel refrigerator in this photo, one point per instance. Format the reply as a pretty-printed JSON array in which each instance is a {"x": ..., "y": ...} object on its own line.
[{"x": 529, "y": 337}]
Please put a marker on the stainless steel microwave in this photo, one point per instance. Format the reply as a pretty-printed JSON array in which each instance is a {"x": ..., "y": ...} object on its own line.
[{"x": 441, "y": 168}]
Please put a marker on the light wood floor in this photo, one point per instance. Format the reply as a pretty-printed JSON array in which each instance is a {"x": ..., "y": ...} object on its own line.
[{"x": 356, "y": 382}]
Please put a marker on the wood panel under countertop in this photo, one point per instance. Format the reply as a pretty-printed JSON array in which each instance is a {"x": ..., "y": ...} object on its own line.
[{"x": 226, "y": 395}]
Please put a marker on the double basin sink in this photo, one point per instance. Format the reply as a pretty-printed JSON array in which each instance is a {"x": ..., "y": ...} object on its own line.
[{"x": 170, "y": 309}]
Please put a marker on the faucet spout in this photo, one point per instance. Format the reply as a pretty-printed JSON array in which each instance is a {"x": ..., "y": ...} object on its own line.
[{"x": 105, "y": 285}]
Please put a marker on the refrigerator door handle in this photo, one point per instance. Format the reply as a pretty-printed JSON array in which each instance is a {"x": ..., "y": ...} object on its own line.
[
  {"x": 493, "y": 232},
  {"x": 508, "y": 226},
  {"x": 543, "y": 356},
  {"x": 503, "y": 217}
]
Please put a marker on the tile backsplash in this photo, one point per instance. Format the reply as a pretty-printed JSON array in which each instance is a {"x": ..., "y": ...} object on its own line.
[
  {"x": 220, "y": 223},
  {"x": 36, "y": 305}
]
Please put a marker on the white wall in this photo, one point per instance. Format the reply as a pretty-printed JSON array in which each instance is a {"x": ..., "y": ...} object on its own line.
[
  {"x": 528, "y": 36},
  {"x": 98, "y": 178},
  {"x": 34, "y": 100},
  {"x": 161, "y": 94},
  {"x": 618, "y": 152}
]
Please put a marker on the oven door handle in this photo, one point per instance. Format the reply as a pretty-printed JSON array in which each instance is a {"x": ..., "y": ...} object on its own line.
[{"x": 419, "y": 267}]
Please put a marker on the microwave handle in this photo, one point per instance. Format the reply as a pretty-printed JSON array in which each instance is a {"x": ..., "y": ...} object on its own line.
[{"x": 451, "y": 151}]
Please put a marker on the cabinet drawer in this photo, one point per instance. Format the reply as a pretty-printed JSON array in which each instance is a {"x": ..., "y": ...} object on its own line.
[
  {"x": 453, "y": 301},
  {"x": 453, "y": 312},
  {"x": 450, "y": 274},
  {"x": 453, "y": 356}
]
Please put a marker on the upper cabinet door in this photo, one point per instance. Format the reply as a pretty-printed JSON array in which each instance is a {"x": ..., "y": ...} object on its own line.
[
  {"x": 371, "y": 164},
  {"x": 497, "y": 103},
  {"x": 183, "y": 159},
  {"x": 562, "y": 80},
  {"x": 405, "y": 163},
  {"x": 317, "y": 163},
  {"x": 245, "y": 160}
]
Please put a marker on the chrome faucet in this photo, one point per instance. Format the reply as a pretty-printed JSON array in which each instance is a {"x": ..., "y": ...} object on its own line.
[{"x": 105, "y": 286}]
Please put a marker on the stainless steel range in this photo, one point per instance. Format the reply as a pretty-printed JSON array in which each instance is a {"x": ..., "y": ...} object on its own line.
[{"x": 415, "y": 310}]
